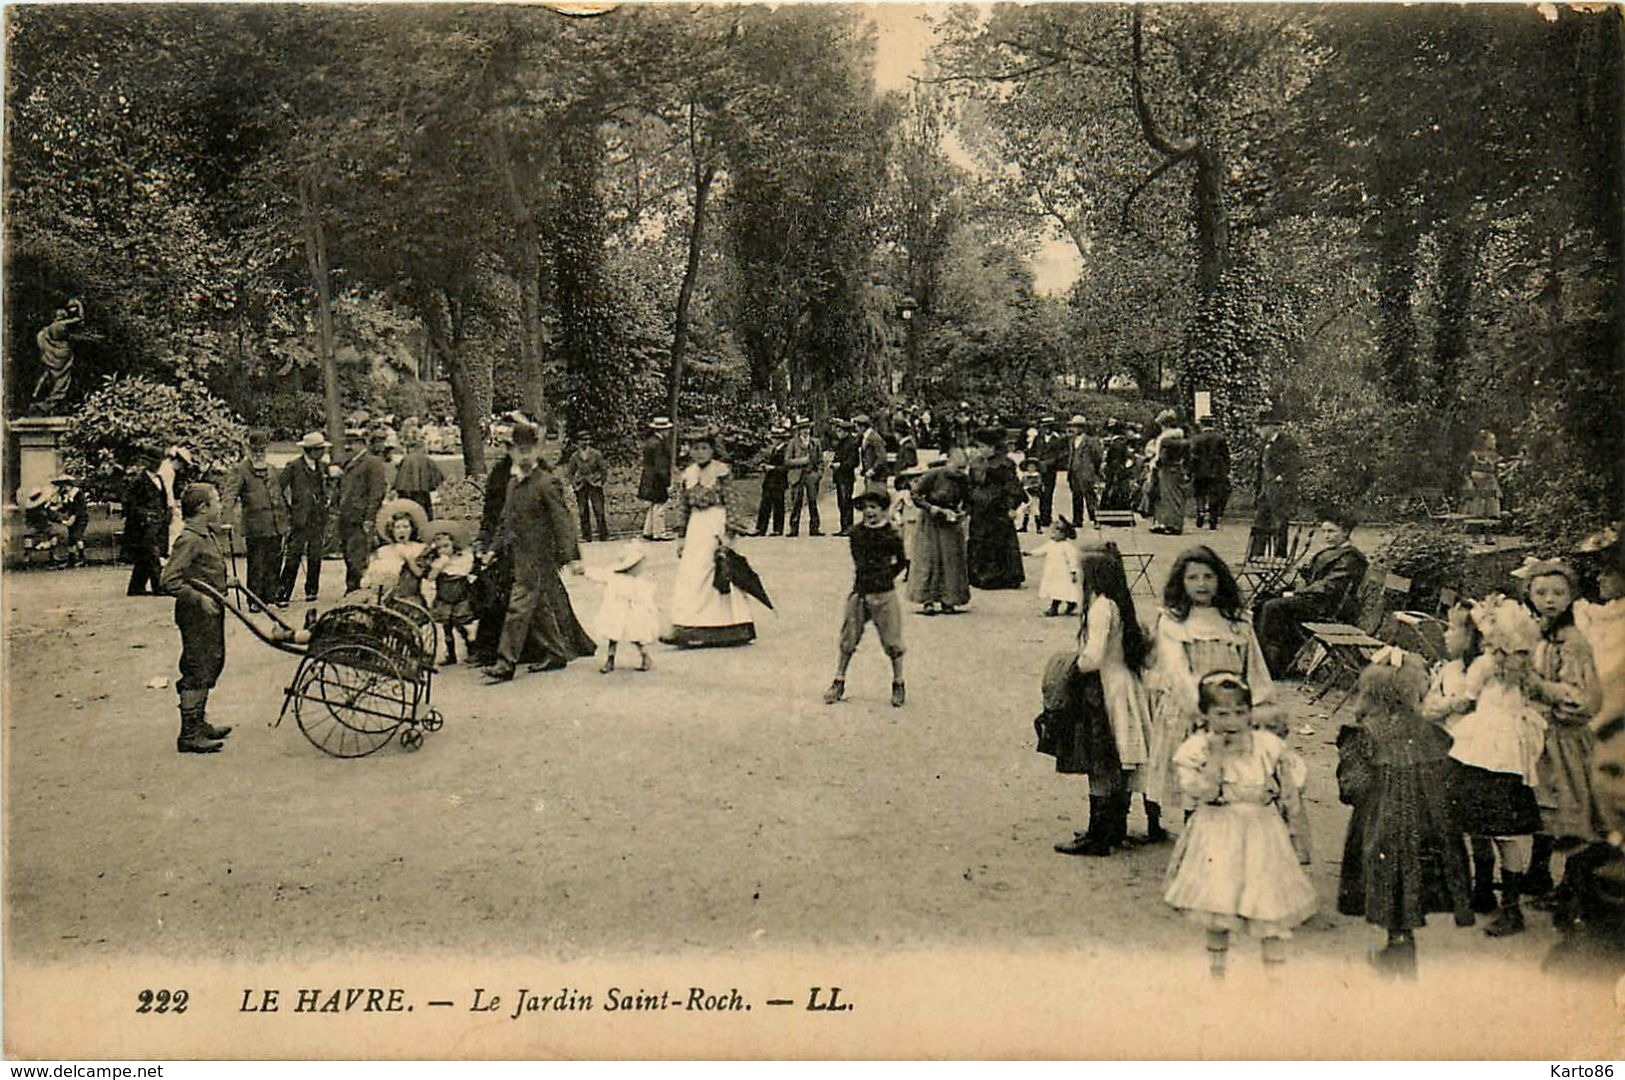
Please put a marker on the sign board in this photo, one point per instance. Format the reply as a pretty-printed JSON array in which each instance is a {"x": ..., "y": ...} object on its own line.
[{"x": 1204, "y": 404}]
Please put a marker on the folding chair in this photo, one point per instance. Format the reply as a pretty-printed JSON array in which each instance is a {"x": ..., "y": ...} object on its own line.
[
  {"x": 1263, "y": 575},
  {"x": 1120, "y": 519},
  {"x": 1344, "y": 649},
  {"x": 1137, "y": 568}
]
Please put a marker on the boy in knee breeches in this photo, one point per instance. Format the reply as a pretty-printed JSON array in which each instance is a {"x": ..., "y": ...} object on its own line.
[
  {"x": 877, "y": 559},
  {"x": 197, "y": 559}
]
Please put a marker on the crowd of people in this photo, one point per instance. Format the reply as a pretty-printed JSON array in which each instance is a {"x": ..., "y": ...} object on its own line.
[{"x": 1488, "y": 781}]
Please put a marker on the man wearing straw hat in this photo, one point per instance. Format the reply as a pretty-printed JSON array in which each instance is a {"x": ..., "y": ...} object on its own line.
[
  {"x": 804, "y": 466},
  {"x": 654, "y": 484},
  {"x": 361, "y": 493},
  {"x": 305, "y": 490}
]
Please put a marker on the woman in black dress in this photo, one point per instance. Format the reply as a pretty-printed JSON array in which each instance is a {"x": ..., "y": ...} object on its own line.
[{"x": 994, "y": 551}]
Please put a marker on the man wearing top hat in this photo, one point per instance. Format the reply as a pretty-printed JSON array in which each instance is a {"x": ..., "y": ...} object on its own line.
[
  {"x": 493, "y": 586},
  {"x": 804, "y": 471},
  {"x": 305, "y": 490},
  {"x": 146, "y": 522},
  {"x": 844, "y": 471},
  {"x": 654, "y": 482},
  {"x": 361, "y": 493},
  {"x": 770, "y": 510},
  {"x": 263, "y": 522},
  {"x": 1083, "y": 462}
]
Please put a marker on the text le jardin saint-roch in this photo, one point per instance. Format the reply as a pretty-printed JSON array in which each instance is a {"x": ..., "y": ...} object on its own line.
[{"x": 525, "y": 1001}]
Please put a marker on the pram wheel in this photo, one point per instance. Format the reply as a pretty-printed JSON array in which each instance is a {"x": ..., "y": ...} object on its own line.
[
  {"x": 433, "y": 721},
  {"x": 411, "y": 739},
  {"x": 351, "y": 699}
]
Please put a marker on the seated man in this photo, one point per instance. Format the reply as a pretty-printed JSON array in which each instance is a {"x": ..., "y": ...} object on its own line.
[{"x": 1330, "y": 581}]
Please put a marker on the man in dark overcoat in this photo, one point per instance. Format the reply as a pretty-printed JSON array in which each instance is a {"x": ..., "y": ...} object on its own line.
[
  {"x": 306, "y": 491},
  {"x": 361, "y": 493},
  {"x": 1275, "y": 493},
  {"x": 541, "y": 627},
  {"x": 1327, "y": 590},
  {"x": 844, "y": 471},
  {"x": 804, "y": 471},
  {"x": 1084, "y": 456},
  {"x": 1210, "y": 472},
  {"x": 146, "y": 522},
  {"x": 654, "y": 482}
]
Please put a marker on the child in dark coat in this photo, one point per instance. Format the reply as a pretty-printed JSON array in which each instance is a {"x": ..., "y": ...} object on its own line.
[{"x": 1404, "y": 857}]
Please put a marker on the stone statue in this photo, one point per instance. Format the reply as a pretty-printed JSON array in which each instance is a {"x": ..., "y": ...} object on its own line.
[{"x": 56, "y": 354}]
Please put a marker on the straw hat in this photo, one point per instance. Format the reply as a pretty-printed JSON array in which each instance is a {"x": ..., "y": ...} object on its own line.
[
  {"x": 631, "y": 555},
  {"x": 37, "y": 498},
  {"x": 314, "y": 440},
  {"x": 461, "y": 532},
  {"x": 392, "y": 509},
  {"x": 660, "y": 423}
]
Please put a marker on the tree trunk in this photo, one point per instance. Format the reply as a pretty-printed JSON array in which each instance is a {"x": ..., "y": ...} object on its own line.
[
  {"x": 464, "y": 392},
  {"x": 1456, "y": 264},
  {"x": 1395, "y": 283},
  {"x": 691, "y": 273},
  {"x": 315, "y": 237},
  {"x": 525, "y": 265}
]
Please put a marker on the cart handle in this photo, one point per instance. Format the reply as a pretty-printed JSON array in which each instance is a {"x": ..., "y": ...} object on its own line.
[{"x": 210, "y": 591}]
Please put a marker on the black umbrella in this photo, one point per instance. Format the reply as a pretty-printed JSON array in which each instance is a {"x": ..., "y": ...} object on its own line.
[{"x": 733, "y": 569}]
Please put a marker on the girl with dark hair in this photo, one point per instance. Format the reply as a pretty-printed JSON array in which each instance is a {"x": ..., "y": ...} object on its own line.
[
  {"x": 1111, "y": 714},
  {"x": 1201, "y": 629}
]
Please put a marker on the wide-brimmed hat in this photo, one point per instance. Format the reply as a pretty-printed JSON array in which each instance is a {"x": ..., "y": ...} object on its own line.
[
  {"x": 802, "y": 421},
  {"x": 1046, "y": 419},
  {"x": 355, "y": 434},
  {"x": 1077, "y": 420},
  {"x": 661, "y": 423},
  {"x": 64, "y": 478},
  {"x": 526, "y": 434},
  {"x": 37, "y": 498},
  {"x": 314, "y": 440},
  {"x": 461, "y": 532},
  {"x": 862, "y": 419},
  {"x": 632, "y": 554},
  {"x": 394, "y": 508}
]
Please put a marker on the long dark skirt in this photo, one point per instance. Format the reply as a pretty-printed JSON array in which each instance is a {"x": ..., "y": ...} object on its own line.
[
  {"x": 1082, "y": 733},
  {"x": 938, "y": 574},
  {"x": 1406, "y": 849},
  {"x": 541, "y": 625},
  {"x": 994, "y": 551},
  {"x": 1492, "y": 803}
]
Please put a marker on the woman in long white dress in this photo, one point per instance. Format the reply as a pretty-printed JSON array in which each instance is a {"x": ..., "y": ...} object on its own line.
[{"x": 705, "y": 513}]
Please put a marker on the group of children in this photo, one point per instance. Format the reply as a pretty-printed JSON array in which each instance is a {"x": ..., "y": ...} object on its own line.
[{"x": 1489, "y": 753}]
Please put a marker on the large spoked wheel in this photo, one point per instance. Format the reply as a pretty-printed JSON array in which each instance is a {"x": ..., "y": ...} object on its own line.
[
  {"x": 350, "y": 700},
  {"x": 428, "y": 633}
]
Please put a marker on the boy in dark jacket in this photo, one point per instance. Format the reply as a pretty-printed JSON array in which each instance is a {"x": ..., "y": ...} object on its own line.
[
  {"x": 197, "y": 559},
  {"x": 877, "y": 558}
]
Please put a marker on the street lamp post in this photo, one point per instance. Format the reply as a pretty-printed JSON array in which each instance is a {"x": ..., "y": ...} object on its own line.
[{"x": 907, "y": 310}]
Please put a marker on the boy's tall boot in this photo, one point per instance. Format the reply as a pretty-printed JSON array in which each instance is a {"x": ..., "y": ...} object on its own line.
[
  {"x": 206, "y": 729},
  {"x": 1509, "y": 918},
  {"x": 192, "y": 740}
]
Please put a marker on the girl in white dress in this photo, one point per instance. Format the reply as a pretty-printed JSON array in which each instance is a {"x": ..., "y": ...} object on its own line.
[
  {"x": 1060, "y": 583},
  {"x": 1202, "y": 628},
  {"x": 704, "y": 512},
  {"x": 628, "y": 611},
  {"x": 1237, "y": 866}
]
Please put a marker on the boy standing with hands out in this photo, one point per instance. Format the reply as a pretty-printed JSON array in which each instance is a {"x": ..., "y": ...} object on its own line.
[
  {"x": 196, "y": 558},
  {"x": 877, "y": 558}
]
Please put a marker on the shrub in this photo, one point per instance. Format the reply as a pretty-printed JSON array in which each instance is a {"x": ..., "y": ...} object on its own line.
[
  {"x": 1430, "y": 555},
  {"x": 103, "y": 433}
]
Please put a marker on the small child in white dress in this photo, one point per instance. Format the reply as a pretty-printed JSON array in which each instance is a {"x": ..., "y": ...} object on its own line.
[
  {"x": 1237, "y": 864},
  {"x": 1060, "y": 583},
  {"x": 629, "y": 610}
]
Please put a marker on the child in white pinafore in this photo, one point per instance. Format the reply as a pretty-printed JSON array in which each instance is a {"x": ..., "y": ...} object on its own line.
[
  {"x": 629, "y": 610},
  {"x": 1237, "y": 864},
  {"x": 1060, "y": 584}
]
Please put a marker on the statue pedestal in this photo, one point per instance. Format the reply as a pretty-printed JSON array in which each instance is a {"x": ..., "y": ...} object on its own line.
[{"x": 33, "y": 452}]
